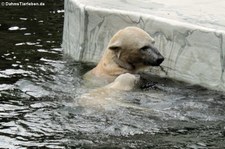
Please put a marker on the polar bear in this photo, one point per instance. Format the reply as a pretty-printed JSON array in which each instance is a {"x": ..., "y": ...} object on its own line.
[
  {"x": 129, "y": 50},
  {"x": 110, "y": 95}
]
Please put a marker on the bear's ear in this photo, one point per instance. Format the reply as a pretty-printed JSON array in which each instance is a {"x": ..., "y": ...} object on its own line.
[{"x": 114, "y": 48}]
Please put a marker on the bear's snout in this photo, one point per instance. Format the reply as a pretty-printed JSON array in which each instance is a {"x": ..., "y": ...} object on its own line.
[
  {"x": 159, "y": 60},
  {"x": 152, "y": 56}
]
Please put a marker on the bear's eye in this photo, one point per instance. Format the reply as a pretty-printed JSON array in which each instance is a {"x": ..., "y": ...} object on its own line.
[{"x": 144, "y": 48}]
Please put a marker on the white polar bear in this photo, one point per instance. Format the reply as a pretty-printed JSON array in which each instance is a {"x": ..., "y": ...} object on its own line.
[{"x": 110, "y": 95}]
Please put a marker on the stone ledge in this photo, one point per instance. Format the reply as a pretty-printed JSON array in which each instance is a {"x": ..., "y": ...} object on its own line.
[{"x": 194, "y": 53}]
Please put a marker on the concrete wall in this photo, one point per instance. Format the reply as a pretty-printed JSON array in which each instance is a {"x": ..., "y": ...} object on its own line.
[{"x": 193, "y": 53}]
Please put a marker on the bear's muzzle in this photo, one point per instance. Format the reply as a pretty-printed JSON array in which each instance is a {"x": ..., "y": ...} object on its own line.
[{"x": 153, "y": 57}]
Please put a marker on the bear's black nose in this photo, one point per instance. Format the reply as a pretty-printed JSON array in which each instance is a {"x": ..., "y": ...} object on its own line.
[{"x": 159, "y": 60}]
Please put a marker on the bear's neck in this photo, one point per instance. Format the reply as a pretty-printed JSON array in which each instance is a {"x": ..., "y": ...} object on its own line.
[{"x": 111, "y": 66}]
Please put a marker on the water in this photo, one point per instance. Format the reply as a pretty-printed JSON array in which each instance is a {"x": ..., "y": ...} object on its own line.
[{"x": 39, "y": 89}]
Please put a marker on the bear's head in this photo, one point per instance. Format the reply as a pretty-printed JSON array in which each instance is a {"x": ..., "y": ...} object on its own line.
[{"x": 133, "y": 47}]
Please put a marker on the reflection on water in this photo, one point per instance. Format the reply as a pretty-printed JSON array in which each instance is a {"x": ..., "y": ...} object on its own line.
[{"x": 39, "y": 89}]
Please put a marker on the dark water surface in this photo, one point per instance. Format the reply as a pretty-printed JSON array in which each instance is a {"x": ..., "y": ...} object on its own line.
[{"x": 39, "y": 88}]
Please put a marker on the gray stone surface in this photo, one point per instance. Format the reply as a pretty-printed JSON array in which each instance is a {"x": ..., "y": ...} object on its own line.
[{"x": 189, "y": 34}]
